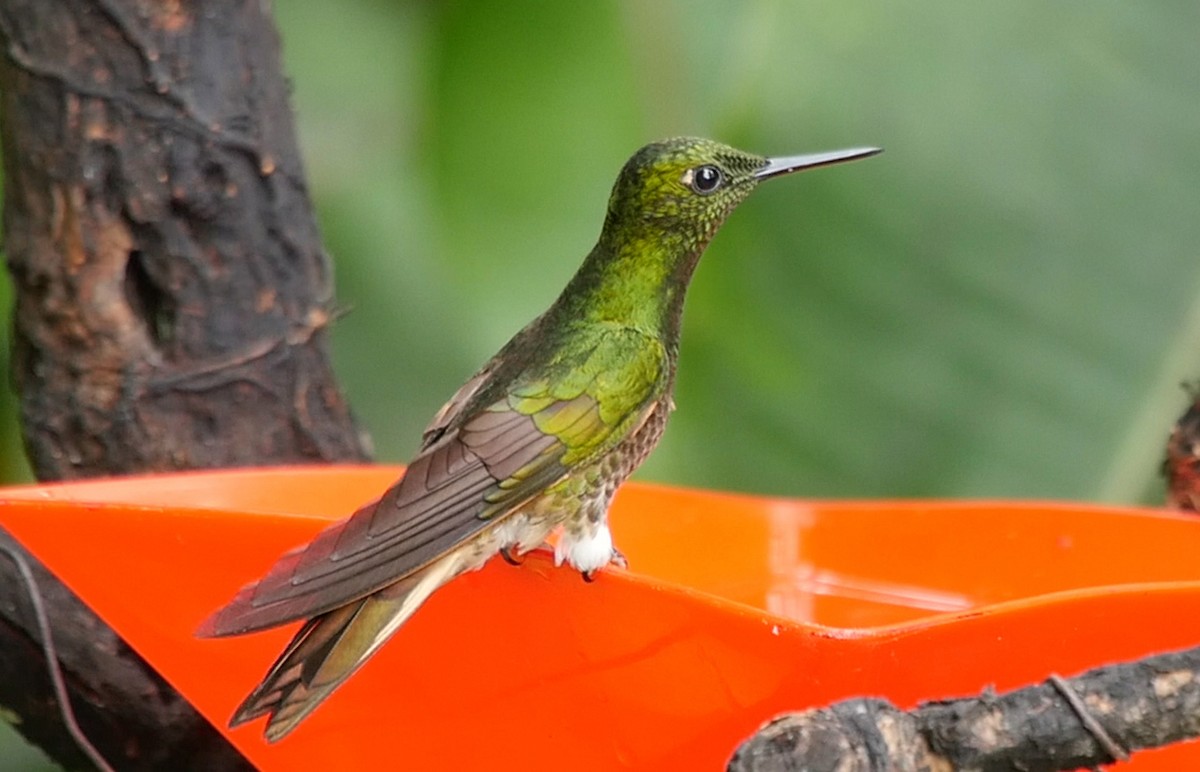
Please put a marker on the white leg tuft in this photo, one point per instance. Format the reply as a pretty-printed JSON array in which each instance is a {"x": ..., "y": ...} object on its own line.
[{"x": 587, "y": 552}]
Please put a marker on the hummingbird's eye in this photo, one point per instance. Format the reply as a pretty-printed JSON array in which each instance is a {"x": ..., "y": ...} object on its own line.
[{"x": 705, "y": 179}]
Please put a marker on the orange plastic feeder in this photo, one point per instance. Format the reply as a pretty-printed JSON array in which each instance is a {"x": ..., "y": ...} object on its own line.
[{"x": 735, "y": 609}]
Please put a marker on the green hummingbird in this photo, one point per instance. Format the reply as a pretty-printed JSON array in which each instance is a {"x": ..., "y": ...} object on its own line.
[{"x": 537, "y": 441}]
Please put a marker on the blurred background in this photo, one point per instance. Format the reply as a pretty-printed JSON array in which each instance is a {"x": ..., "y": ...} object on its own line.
[{"x": 1003, "y": 304}]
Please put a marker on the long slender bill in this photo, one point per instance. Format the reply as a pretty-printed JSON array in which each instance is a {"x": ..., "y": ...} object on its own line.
[{"x": 795, "y": 163}]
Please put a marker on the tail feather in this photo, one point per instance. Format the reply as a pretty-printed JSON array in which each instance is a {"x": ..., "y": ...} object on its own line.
[{"x": 329, "y": 648}]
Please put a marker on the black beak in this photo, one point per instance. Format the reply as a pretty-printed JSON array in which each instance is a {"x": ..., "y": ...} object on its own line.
[{"x": 795, "y": 163}]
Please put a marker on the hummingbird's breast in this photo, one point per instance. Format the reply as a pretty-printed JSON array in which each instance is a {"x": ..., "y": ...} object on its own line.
[
  {"x": 580, "y": 501},
  {"x": 630, "y": 454}
]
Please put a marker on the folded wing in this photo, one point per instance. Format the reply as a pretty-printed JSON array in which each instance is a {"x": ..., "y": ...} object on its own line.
[{"x": 470, "y": 478}]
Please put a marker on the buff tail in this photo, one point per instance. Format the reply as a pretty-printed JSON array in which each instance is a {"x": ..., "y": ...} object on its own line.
[{"x": 330, "y": 647}]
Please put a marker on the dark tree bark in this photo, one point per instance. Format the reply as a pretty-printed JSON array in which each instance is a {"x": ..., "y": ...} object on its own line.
[
  {"x": 1084, "y": 722},
  {"x": 172, "y": 298}
]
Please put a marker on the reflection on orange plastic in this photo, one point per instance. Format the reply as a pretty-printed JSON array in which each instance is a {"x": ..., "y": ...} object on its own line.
[{"x": 735, "y": 609}]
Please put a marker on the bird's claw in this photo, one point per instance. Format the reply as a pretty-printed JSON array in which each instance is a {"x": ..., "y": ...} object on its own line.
[
  {"x": 617, "y": 559},
  {"x": 509, "y": 557}
]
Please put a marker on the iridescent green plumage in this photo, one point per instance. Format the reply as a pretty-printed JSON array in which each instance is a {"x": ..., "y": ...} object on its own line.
[{"x": 536, "y": 442}]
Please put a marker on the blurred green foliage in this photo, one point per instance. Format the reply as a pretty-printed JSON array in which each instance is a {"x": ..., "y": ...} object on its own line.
[
  {"x": 1003, "y": 304},
  {"x": 17, "y": 756}
]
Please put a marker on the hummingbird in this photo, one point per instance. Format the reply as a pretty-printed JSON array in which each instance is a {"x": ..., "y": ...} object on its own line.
[{"x": 535, "y": 443}]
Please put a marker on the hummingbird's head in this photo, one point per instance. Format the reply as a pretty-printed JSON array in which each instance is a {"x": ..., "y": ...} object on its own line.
[
  {"x": 667, "y": 203},
  {"x": 686, "y": 187}
]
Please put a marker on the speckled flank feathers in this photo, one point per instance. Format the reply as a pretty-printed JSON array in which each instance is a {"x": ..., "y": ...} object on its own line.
[{"x": 537, "y": 441}]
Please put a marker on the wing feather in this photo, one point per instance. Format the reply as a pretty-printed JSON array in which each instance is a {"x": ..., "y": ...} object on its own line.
[
  {"x": 473, "y": 472},
  {"x": 424, "y": 515}
]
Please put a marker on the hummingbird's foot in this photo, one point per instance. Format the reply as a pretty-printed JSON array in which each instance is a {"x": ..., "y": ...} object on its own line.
[
  {"x": 586, "y": 552},
  {"x": 509, "y": 556},
  {"x": 617, "y": 559}
]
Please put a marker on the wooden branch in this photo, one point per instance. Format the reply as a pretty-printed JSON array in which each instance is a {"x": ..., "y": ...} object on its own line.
[
  {"x": 172, "y": 298},
  {"x": 1083, "y": 722},
  {"x": 122, "y": 706}
]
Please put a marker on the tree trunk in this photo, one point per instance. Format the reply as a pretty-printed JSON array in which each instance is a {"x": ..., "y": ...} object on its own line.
[{"x": 172, "y": 298}]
